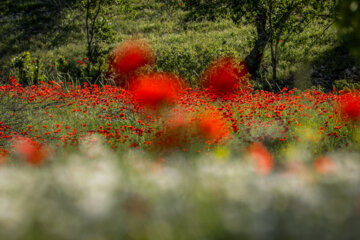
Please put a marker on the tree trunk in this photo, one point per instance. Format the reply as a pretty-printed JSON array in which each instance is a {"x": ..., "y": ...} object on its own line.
[
  {"x": 274, "y": 66},
  {"x": 253, "y": 60}
]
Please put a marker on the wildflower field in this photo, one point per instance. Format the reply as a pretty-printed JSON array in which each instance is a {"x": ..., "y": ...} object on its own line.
[
  {"x": 148, "y": 157},
  {"x": 166, "y": 134}
]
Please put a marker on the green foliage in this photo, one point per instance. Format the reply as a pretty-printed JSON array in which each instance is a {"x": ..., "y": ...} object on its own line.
[
  {"x": 34, "y": 16},
  {"x": 99, "y": 32},
  {"x": 14, "y": 113},
  {"x": 285, "y": 15},
  {"x": 206, "y": 10},
  {"x": 190, "y": 61},
  {"x": 61, "y": 64},
  {"x": 349, "y": 24},
  {"x": 275, "y": 21},
  {"x": 346, "y": 85},
  {"x": 27, "y": 70},
  {"x": 24, "y": 20},
  {"x": 160, "y": 21},
  {"x": 64, "y": 71}
]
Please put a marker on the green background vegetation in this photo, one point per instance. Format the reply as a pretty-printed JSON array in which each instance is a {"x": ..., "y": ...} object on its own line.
[{"x": 55, "y": 37}]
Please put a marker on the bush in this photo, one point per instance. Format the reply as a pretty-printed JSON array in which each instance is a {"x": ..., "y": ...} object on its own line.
[
  {"x": 189, "y": 61},
  {"x": 346, "y": 85},
  {"x": 26, "y": 70}
]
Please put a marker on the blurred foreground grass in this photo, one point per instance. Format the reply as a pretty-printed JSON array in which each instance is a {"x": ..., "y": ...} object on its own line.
[{"x": 93, "y": 193}]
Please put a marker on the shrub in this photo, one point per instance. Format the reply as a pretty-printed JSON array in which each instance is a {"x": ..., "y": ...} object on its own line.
[
  {"x": 189, "y": 61},
  {"x": 26, "y": 70}
]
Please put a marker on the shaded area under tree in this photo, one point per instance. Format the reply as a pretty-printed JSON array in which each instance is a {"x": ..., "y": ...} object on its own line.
[{"x": 23, "y": 20}]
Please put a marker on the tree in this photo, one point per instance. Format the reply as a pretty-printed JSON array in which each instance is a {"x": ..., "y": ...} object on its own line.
[
  {"x": 349, "y": 24},
  {"x": 99, "y": 31},
  {"x": 274, "y": 20}
]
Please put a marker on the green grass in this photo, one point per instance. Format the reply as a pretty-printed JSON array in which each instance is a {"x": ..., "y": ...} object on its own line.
[{"x": 183, "y": 48}]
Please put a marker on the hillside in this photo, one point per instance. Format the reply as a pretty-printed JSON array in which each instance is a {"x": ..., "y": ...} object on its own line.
[{"x": 314, "y": 57}]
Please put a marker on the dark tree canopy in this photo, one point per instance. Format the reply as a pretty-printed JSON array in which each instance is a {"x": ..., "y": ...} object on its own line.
[{"x": 349, "y": 24}]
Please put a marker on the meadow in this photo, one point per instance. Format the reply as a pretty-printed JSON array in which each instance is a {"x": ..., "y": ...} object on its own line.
[
  {"x": 177, "y": 140},
  {"x": 315, "y": 57}
]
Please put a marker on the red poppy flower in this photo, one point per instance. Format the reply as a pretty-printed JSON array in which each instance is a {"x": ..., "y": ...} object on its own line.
[
  {"x": 225, "y": 75},
  {"x": 264, "y": 160},
  {"x": 32, "y": 152},
  {"x": 128, "y": 57},
  {"x": 156, "y": 89},
  {"x": 350, "y": 110},
  {"x": 323, "y": 165},
  {"x": 3, "y": 154},
  {"x": 212, "y": 126}
]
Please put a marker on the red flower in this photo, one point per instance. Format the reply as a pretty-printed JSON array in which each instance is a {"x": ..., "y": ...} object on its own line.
[
  {"x": 3, "y": 154},
  {"x": 212, "y": 126},
  {"x": 225, "y": 75},
  {"x": 156, "y": 89},
  {"x": 263, "y": 159},
  {"x": 128, "y": 57},
  {"x": 182, "y": 130},
  {"x": 350, "y": 110},
  {"x": 323, "y": 165},
  {"x": 32, "y": 152}
]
